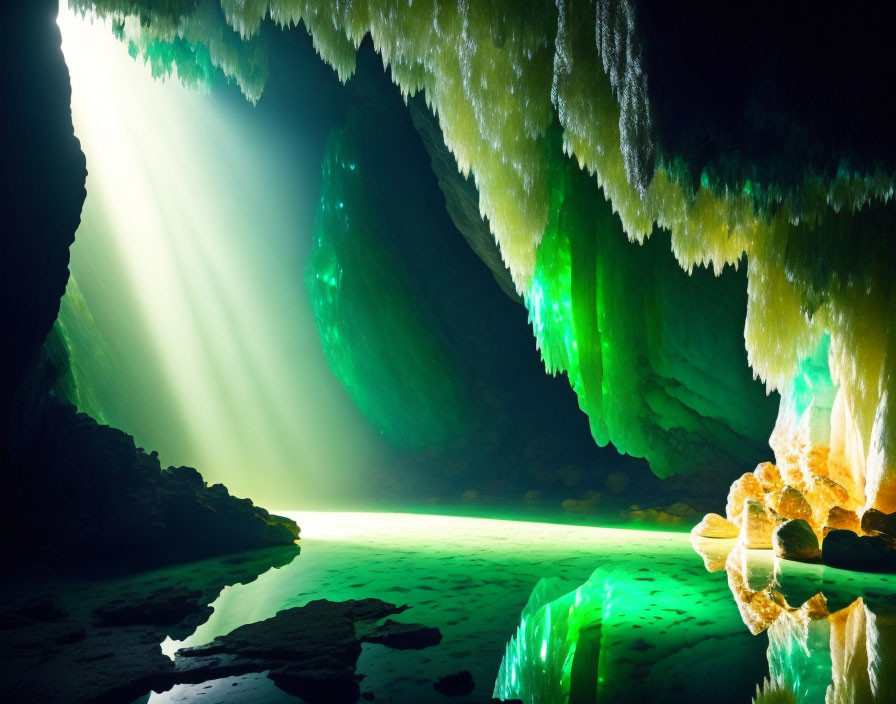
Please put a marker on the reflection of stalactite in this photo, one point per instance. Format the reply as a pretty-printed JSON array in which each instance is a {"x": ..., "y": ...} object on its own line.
[{"x": 817, "y": 655}]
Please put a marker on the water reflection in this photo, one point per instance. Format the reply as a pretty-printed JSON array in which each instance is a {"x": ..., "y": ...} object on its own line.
[
  {"x": 96, "y": 638},
  {"x": 660, "y": 633},
  {"x": 655, "y": 622},
  {"x": 792, "y": 633},
  {"x": 831, "y": 634}
]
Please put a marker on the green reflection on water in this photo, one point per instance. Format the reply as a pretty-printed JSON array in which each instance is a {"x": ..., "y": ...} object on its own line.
[{"x": 608, "y": 614}]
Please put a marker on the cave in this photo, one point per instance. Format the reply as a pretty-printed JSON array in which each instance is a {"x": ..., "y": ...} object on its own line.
[{"x": 422, "y": 351}]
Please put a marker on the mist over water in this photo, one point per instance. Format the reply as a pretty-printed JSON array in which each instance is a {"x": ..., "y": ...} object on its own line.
[{"x": 189, "y": 259}]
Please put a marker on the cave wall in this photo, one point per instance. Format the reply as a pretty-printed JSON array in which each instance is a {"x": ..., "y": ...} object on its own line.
[
  {"x": 43, "y": 191},
  {"x": 74, "y": 491}
]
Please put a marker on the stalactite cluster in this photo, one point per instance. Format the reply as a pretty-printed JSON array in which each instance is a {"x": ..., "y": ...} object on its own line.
[{"x": 496, "y": 74}]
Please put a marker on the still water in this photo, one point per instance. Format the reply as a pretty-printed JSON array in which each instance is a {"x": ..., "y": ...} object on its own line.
[{"x": 553, "y": 613}]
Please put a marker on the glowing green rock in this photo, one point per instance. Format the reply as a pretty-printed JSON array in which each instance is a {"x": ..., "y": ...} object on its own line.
[
  {"x": 380, "y": 339},
  {"x": 654, "y": 355}
]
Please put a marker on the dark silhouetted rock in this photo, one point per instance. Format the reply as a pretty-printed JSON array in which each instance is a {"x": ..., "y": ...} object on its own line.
[
  {"x": 879, "y": 523},
  {"x": 90, "y": 495},
  {"x": 795, "y": 540},
  {"x": 843, "y": 548},
  {"x": 46, "y": 610},
  {"x": 163, "y": 607},
  {"x": 309, "y": 651},
  {"x": 457, "y": 684},
  {"x": 403, "y": 636},
  {"x": 42, "y": 192},
  {"x": 53, "y": 649}
]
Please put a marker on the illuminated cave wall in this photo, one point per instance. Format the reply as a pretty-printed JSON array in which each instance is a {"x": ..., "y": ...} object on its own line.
[
  {"x": 495, "y": 73},
  {"x": 381, "y": 339}
]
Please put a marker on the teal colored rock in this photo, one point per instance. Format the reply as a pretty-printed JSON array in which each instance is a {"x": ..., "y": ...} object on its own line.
[{"x": 380, "y": 338}]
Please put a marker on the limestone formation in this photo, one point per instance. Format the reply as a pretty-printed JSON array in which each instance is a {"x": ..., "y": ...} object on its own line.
[
  {"x": 768, "y": 476},
  {"x": 714, "y": 526},
  {"x": 755, "y": 526},
  {"x": 745, "y": 489},
  {"x": 824, "y": 493},
  {"x": 842, "y": 519},
  {"x": 793, "y": 505}
]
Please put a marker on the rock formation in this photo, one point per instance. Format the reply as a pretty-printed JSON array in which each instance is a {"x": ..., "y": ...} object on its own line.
[{"x": 91, "y": 495}]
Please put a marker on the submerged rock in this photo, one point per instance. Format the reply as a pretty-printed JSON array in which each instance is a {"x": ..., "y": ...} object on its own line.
[
  {"x": 714, "y": 526},
  {"x": 457, "y": 684},
  {"x": 310, "y": 651},
  {"x": 795, "y": 540},
  {"x": 401, "y": 636},
  {"x": 102, "y": 643},
  {"x": 162, "y": 607}
]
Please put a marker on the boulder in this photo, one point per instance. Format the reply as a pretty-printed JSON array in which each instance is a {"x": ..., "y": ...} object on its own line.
[
  {"x": 795, "y": 540},
  {"x": 793, "y": 505},
  {"x": 843, "y": 519},
  {"x": 309, "y": 651},
  {"x": 756, "y": 527},
  {"x": 744, "y": 489},
  {"x": 843, "y": 548},
  {"x": 457, "y": 684},
  {"x": 824, "y": 493},
  {"x": 876, "y": 522},
  {"x": 714, "y": 526}
]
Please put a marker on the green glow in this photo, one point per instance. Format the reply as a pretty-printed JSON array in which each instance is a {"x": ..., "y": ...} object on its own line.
[
  {"x": 817, "y": 253},
  {"x": 189, "y": 259},
  {"x": 799, "y": 658},
  {"x": 381, "y": 341},
  {"x": 654, "y": 355},
  {"x": 666, "y": 632},
  {"x": 649, "y": 618}
]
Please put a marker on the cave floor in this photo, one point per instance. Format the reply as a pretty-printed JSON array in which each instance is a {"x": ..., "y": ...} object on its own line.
[{"x": 471, "y": 578}]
